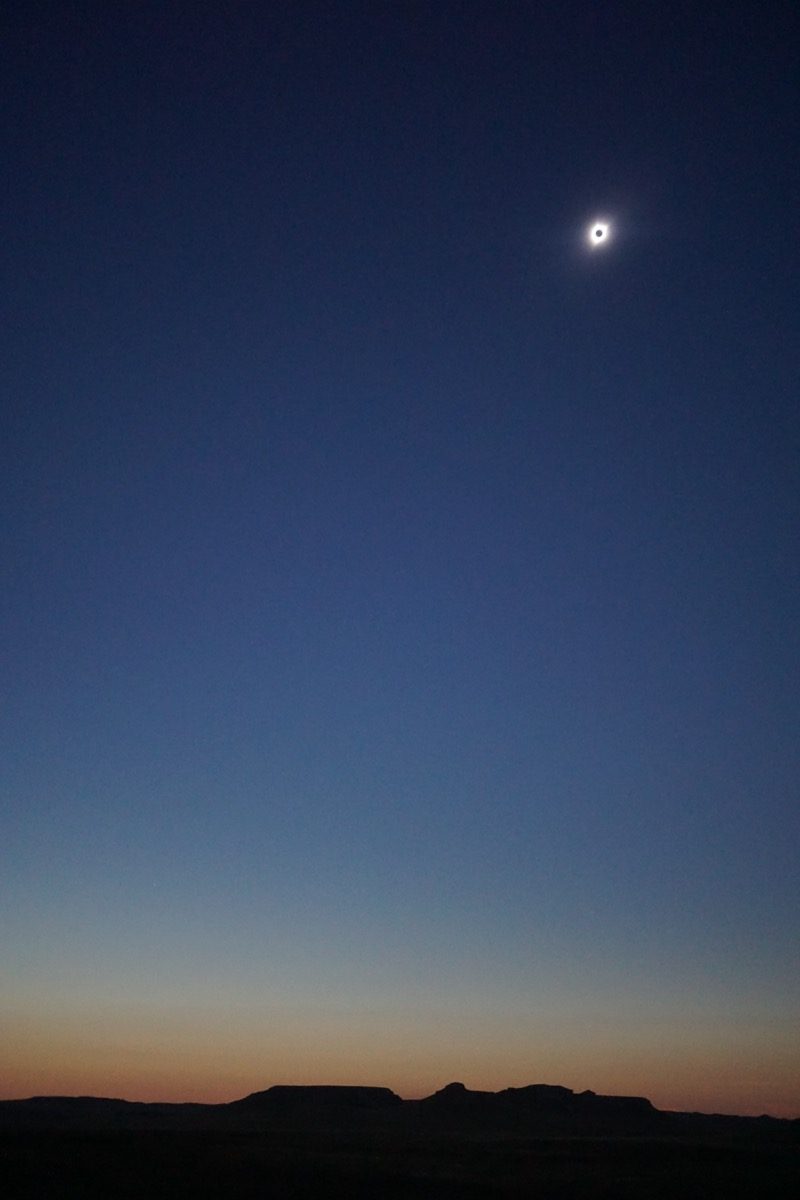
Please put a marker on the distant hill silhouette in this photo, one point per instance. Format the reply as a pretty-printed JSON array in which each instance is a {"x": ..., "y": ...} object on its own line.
[
  {"x": 547, "y": 1105},
  {"x": 536, "y": 1109}
]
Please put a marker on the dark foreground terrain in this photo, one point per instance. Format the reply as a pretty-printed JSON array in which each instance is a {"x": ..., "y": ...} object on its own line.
[{"x": 538, "y": 1142}]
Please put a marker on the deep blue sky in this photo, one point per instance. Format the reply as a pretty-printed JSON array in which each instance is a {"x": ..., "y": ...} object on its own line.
[{"x": 401, "y": 601}]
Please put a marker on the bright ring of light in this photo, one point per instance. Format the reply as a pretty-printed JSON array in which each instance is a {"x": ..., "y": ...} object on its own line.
[{"x": 598, "y": 234}]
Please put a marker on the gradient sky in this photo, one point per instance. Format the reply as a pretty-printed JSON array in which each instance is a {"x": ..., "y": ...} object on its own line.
[{"x": 401, "y": 601}]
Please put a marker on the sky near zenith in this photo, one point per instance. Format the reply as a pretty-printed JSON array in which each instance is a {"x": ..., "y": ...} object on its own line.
[{"x": 400, "y": 605}]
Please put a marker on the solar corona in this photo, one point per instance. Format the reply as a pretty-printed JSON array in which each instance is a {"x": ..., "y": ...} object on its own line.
[{"x": 598, "y": 234}]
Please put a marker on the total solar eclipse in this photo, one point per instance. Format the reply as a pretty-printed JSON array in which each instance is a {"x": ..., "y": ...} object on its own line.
[{"x": 598, "y": 234}]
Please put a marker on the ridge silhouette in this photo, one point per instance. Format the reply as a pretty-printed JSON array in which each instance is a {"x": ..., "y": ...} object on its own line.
[
  {"x": 328, "y": 1142},
  {"x": 538, "y": 1107}
]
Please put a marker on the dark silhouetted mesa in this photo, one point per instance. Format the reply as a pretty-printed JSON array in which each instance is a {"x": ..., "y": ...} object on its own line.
[
  {"x": 539, "y": 1141},
  {"x": 286, "y": 1098}
]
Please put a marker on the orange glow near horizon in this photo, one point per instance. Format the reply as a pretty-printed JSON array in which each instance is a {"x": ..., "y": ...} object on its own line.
[{"x": 193, "y": 1056}]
